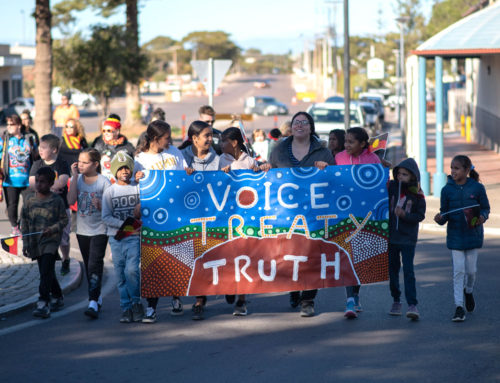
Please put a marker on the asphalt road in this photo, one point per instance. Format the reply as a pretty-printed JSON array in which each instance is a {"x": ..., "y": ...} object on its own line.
[{"x": 273, "y": 343}]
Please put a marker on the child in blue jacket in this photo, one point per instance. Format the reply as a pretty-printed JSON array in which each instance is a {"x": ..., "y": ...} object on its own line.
[
  {"x": 406, "y": 210},
  {"x": 465, "y": 206}
]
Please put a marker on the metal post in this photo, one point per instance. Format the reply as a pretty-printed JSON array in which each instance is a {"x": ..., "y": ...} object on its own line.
[
  {"x": 398, "y": 90},
  {"x": 422, "y": 114},
  {"x": 210, "y": 82},
  {"x": 347, "y": 79},
  {"x": 439, "y": 177}
]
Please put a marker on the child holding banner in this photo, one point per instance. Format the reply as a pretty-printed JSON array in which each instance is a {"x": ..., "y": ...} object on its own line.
[
  {"x": 356, "y": 153},
  {"x": 301, "y": 149},
  {"x": 120, "y": 201},
  {"x": 406, "y": 210},
  {"x": 155, "y": 152},
  {"x": 465, "y": 207}
]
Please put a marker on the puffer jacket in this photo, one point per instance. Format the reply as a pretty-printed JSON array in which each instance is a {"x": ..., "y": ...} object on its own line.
[
  {"x": 459, "y": 235},
  {"x": 280, "y": 157}
]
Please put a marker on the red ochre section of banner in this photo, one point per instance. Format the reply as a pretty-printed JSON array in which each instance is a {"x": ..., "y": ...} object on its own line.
[{"x": 162, "y": 274}]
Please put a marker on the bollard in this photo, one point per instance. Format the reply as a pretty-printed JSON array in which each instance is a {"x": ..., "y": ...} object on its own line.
[
  {"x": 462, "y": 125},
  {"x": 275, "y": 122},
  {"x": 468, "y": 126},
  {"x": 183, "y": 127}
]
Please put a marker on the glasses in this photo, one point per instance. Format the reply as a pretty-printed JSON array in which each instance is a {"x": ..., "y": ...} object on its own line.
[
  {"x": 70, "y": 126},
  {"x": 300, "y": 122},
  {"x": 209, "y": 122},
  {"x": 107, "y": 130},
  {"x": 10, "y": 124}
]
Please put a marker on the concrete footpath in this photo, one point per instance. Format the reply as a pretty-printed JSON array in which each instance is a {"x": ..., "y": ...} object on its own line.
[{"x": 19, "y": 275}]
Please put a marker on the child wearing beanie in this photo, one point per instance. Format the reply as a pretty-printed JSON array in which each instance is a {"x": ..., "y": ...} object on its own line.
[{"x": 121, "y": 201}]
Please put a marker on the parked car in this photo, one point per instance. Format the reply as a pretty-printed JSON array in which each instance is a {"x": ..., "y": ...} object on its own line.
[
  {"x": 330, "y": 115},
  {"x": 17, "y": 106},
  {"x": 377, "y": 100},
  {"x": 370, "y": 117},
  {"x": 265, "y": 106},
  {"x": 78, "y": 98},
  {"x": 335, "y": 99},
  {"x": 262, "y": 84}
]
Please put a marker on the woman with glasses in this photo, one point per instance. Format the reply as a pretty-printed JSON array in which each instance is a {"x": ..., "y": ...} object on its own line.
[
  {"x": 18, "y": 150},
  {"x": 110, "y": 142},
  {"x": 73, "y": 141},
  {"x": 27, "y": 127},
  {"x": 301, "y": 149}
]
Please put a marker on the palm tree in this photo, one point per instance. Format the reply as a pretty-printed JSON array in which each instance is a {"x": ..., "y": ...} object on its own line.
[{"x": 43, "y": 67}]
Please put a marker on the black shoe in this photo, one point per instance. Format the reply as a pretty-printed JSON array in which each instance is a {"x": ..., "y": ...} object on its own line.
[
  {"x": 56, "y": 304},
  {"x": 137, "y": 312},
  {"x": 459, "y": 314},
  {"x": 295, "y": 299},
  {"x": 197, "y": 312},
  {"x": 126, "y": 316},
  {"x": 230, "y": 299},
  {"x": 470, "y": 304},
  {"x": 65, "y": 267},
  {"x": 42, "y": 310},
  {"x": 307, "y": 309}
]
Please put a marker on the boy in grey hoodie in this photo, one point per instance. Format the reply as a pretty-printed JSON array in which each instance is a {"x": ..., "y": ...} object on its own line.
[{"x": 406, "y": 210}]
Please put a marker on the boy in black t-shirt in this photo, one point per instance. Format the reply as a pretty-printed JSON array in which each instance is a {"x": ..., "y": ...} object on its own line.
[{"x": 49, "y": 150}]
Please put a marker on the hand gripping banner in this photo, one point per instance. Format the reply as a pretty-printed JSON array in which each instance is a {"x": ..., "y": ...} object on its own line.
[{"x": 244, "y": 232}]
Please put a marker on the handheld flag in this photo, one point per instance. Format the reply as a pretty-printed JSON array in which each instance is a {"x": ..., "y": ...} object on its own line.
[
  {"x": 378, "y": 143},
  {"x": 460, "y": 208},
  {"x": 10, "y": 244},
  {"x": 128, "y": 228},
  {"x": 472, "y": 215}
]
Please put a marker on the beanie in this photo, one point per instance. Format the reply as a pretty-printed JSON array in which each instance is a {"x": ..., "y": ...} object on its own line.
[
  {"x": 113, "y": 122},
  {"x": 120, "y": 160}
]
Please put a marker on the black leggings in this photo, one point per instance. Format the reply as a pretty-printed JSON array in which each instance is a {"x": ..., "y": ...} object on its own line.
[
  {"x": 48, "y": 280},
  {"x": 306, "y": 295},
  {"x": 93, "y": 249},
  {"x": 11, "y": 195}
]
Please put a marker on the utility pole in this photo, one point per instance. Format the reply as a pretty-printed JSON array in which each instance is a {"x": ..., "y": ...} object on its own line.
[{"x": 347, "y": 79}]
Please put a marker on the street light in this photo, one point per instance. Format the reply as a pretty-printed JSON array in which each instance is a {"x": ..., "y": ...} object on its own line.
[{"x": 402, "y": 21}]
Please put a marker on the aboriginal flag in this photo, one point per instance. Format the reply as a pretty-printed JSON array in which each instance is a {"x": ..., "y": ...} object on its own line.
[
  {"x": 10, "y": 245},
  {"x": 378, "y": 142},
  {"x": 128, "y": 228},
  {"x": 472, "y": 216}
]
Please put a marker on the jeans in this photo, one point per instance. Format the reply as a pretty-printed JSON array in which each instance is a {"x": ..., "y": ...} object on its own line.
[
  {"x": 48, "y": 280},
  {"x": 93, "y": 250},
  {"x": 407, "y": 254},
  {"x": 126, "y": 259},
  {"x": 464, "y": 273}
]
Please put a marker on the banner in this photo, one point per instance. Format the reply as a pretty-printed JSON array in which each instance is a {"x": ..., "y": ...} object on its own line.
[{"x": 245, "y": 232}]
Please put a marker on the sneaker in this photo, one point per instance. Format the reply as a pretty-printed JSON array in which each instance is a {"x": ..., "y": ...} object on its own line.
[
  {"x": 126, "y": 316},
  {"x": 307, "y": 309},
  {"x": 240, "y": 309},
  {"x": 176, "y": 307},
  {"x": 137, "y": 312},
  {"x": 357, "y": 305},
  {"x": 395, "y": 309},
  {"x": 230, "y": 299},
  {"x": 459, "y": 314},
  {"x": 93, "y": 310},
  {"x": 350, "y": 312},
  {"x": 56, "y": 304},
  {"x": 197, "y": 312},
  {"x": 470, "y": 304},
  {"x": 65, "y": 267},
  {"x": 16, "y": 231},
  {"x": 412, "y": 312},
  {"x": 42, "y": 310},
  {"x": 150, "y": 316},
  {"x": 295, "y": 299}
]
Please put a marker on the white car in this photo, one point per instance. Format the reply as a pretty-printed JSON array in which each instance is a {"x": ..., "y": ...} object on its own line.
[
  {"x": 330, "y": 115},
  {"x": 80, "y": 99}
]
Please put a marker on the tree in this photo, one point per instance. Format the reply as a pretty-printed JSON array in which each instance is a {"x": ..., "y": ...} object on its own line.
[
  {"x": 43, "y": 67},
  {"x": 445, "y": 13},
  {"x": 216, "y": 45},
  {"x": 98, "y": 65}
]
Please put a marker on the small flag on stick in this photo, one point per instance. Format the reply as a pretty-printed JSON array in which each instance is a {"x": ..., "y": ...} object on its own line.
[
  {"x": 472, "y": 215},
  {"x": 129, "y": 227},
  {"x": 378, "y": 143},
  {"x": 9, "y": 244}
]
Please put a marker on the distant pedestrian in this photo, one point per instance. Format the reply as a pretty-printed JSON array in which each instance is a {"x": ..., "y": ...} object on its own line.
[
  {"x": 27, "y": 127},
  {"x": 158, "y": 114},
  {"x": 260, "y": 144},
  {"x": 63, "y": 113},
  {"x": 336, "y": 141},
  {"x": 274, "y": 137},
  {"x": 406, "y": 211},
  {"x": 465, "y": 207},
  {"x": 87, "y": 187},
  {"x": 44, "y": 211},
  {"x": 119, "y": 202},
  {"x": 286, "y": 129},
  {"x": 156, "y": 153}
]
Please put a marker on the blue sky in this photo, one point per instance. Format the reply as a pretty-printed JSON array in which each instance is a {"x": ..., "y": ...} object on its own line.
[{"x": 271, "y": 25}]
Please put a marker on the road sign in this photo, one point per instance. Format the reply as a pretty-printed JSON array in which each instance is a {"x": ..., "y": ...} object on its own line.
[
  {"x": 375, "y": 69},
  {"x": 211, "y": 72}
]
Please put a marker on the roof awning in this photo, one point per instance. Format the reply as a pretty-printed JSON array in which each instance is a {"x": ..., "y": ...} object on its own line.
[{"x": 475, "y": 35}]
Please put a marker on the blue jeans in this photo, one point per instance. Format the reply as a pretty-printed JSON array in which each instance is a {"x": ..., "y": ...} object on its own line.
[
  {"x": 126, "y": 258},
  {"x": 407, "y": 254}
]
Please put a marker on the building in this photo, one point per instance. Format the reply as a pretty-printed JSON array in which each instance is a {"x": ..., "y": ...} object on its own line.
[{"x": 11, "y": 75}]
